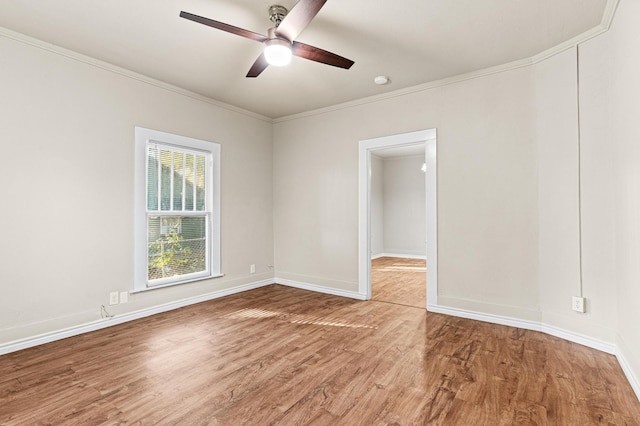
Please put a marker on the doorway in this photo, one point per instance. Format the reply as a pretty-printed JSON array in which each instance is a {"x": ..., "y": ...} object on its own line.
[
  {"x": 398, "y": 221},
  {"x": 399, "y": 280},
  {"x": 367, "y": 150}
]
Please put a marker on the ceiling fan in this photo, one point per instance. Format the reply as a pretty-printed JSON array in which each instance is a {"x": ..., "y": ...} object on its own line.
[{"x": 280, "y": 41}]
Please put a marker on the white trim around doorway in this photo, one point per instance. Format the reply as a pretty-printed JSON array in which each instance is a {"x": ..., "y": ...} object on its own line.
[{"x": 365, "y": 149}]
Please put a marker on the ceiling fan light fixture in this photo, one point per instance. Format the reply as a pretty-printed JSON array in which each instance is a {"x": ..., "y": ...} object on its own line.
[{"x": 277, "y": 52}]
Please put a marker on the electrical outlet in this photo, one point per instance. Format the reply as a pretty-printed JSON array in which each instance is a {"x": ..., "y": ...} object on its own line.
[
  {"x": 124, "y": 296},
  {"x": 113, "y": 298},
  {"x": 252, "y": 268},
  {"x": 577, "y": 304}
]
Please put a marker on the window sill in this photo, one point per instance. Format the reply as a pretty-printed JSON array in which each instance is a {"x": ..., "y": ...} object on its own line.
[{"x": 155, "y": 287}]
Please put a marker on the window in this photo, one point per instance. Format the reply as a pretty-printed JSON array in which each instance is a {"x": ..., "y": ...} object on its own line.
[{"x": 177, "y": 206}]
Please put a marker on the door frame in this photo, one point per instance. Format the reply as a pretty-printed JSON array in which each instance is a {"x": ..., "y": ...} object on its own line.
[{"x": 365, "y": 149}]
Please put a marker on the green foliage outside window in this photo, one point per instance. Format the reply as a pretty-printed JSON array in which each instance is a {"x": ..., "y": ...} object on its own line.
[{"x": 168, "y": 257}]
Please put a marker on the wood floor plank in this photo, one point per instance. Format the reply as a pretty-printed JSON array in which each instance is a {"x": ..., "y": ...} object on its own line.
[
  {"x": 399, "y": 280},
  {"x": 278, "y": 355}
]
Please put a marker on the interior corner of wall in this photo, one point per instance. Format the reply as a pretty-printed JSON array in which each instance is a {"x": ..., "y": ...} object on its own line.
[{"x": 630, "y": 363}]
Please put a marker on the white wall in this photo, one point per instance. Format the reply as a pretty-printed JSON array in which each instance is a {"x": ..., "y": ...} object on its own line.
[
  {"x": 67, "y": 138},
  {"x": 610, "y": 108},
  {"x": 608, "y": 192},
  {"x": 377, "y": 206},
  {"x": 487, "y": 193},
  {"x": 397, "y": 206},
  {"x": 404, "y": 206},
  {"x": 559, "y": 199}
]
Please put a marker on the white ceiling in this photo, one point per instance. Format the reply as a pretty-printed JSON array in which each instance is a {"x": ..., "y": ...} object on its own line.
[{"x": 412, "y": 42}]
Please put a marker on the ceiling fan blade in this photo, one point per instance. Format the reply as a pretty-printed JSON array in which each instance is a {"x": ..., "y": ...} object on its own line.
[
  {"x": 258, "y": 66},
  {"x": 319, "y": 55},
  {"x": 222, "y": 26},
  {"x": 298, "y": 18}
]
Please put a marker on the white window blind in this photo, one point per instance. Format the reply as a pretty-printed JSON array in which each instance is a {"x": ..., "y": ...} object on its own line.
[{"x": 180, "y": 238}]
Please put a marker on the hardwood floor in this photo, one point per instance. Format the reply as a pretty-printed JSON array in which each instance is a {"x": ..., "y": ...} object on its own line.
[
  {"x": 399, "y": 280},
  {"x": 279, "y": 355}
]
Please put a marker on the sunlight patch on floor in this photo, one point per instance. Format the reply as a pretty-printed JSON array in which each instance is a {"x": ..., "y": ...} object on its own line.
[
  {"x": 292, "y": 318},
  {"x": 398, "y": 268}
]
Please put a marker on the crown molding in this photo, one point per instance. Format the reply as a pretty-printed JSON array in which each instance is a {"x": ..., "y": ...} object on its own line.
[
  {"x": 410, "y": 90},
  {"x": 70, "y": 54},
  {"x": 609, "y": 13},
  {"x": 605, "y": 24},
  {"x": 607, "y": 19},
  {"x": 603, "y": 27}
]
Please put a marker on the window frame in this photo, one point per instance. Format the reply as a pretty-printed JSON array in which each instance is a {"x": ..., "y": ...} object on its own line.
[{"x": 143, "y": 137}]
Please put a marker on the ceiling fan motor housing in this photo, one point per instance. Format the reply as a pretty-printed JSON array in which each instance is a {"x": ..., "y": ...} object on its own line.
[{"x": 271, "y": 35}]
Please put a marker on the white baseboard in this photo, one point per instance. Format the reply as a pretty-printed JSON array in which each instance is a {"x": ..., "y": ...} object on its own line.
[
  {"x": 17, "y": 345},
  {"x": 462, "y": 313},
  {"x": 400, "y": 255},
  {"x": 527, "y": 325},
  {"x": 321, "y": 289},
  {"x": 628, "y": 371},
  {"x": 41, "y": 339},
  {"x": 581, "y": 339}
]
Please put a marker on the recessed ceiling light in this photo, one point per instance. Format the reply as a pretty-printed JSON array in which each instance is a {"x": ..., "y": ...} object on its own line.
[{"x": 381, "y": 80}]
